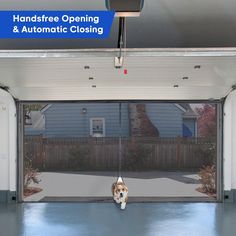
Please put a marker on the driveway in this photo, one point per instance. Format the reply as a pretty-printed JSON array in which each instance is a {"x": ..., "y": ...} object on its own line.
[{"x": 98, "y": 184}]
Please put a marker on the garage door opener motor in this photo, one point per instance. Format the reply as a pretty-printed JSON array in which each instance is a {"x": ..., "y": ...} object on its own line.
[{"x": 123, "y": 9}]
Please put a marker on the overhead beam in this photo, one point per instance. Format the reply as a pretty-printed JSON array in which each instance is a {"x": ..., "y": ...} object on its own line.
[{"x": 134, "y": 52}]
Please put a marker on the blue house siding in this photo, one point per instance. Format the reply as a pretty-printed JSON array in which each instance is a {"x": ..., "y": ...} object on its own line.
[
  {"x": 68, "y": 120},
  {"x": 32, "y": 131},
  {"x": 167, "y": 117},
  {"x": 190, "y": 124}
]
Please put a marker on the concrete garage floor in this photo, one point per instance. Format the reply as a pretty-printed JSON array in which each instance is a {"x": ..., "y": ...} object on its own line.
[
  {"x": 98, "y": 184},
  {"x": 105, "y": 219}
]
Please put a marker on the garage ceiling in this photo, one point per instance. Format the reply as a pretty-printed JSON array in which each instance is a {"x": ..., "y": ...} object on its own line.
[
  {"x": 163, "y": 23},
  {"x": 155, "y": 74}
]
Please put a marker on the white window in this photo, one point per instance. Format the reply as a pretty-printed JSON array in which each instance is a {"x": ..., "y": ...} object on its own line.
[{"x": 97, "y": 127}]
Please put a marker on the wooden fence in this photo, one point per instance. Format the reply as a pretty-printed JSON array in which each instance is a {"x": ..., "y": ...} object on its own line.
[{"x": 102, "y": 154}]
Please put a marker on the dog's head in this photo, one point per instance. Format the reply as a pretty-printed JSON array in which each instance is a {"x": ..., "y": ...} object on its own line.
[{"x": 120, "y": 192}]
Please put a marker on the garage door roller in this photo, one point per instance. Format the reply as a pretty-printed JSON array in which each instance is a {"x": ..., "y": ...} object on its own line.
[{"x": 125, "y": 8}]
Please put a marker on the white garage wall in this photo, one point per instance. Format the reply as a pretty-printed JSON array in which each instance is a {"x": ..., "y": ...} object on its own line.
[
  {"x": 230, "y": 142},
  {"x": 8, "y": 147}
]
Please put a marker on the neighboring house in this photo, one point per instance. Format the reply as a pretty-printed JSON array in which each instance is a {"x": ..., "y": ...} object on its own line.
[{"x": 102, "y": 120}]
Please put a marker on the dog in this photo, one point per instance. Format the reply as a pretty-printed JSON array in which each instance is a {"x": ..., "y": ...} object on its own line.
[{"x": 120, "y": 193}]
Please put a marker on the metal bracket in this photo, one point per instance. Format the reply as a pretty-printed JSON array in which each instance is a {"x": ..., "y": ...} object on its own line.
[{"x": 119, "y": 62}]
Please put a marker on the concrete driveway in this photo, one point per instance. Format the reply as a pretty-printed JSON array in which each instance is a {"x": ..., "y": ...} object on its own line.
[{"x": 98, "y": 184}]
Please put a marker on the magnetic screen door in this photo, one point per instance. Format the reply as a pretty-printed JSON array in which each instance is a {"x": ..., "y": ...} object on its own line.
[{"x": 71, "y": 150}]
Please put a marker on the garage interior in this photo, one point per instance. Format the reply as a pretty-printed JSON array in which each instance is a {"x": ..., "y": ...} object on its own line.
[{"x": 28, "y": 89}]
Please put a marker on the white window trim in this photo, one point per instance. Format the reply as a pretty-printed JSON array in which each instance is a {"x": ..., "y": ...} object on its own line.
[{"x": 91, "y": 125}]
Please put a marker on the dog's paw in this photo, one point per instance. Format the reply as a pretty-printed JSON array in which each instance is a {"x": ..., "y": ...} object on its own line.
[
  {"x": 123, "y": 205},
  {"x": 117, "y": 200}
]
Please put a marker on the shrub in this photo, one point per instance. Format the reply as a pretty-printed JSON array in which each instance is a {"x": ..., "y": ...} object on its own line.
[
  {"x": 30, "y": 174},
  {"x": 79, "y": 158},
  {"x": 207, "y": 179},
  {"x": 208, "y": 150},
  {"x": 136, "y": 156}
]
